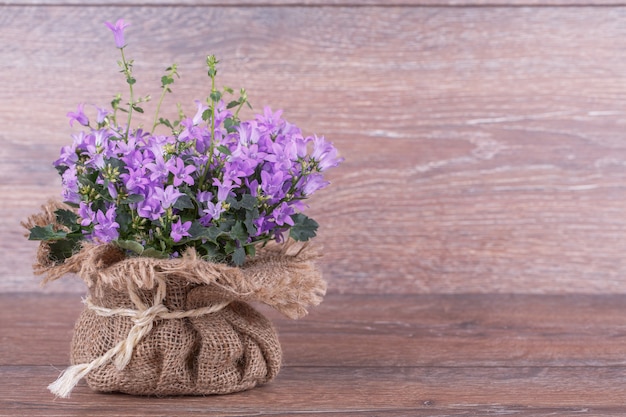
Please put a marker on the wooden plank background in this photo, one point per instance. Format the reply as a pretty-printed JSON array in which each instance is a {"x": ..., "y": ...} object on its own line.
[
  {"x": 474, "y": 237},
  {"x": 484, "y": 146}
]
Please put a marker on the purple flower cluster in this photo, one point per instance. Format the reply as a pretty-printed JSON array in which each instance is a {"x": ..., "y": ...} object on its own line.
[
  {"x": 215, "y": 183},
  {"x": 143, "y": 176}
]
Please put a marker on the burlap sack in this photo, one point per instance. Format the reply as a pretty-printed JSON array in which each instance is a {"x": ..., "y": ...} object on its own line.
[{"x": 180, "y": 326}]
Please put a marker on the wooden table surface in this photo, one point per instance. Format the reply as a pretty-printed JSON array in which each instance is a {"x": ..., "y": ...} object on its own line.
[{"x": 474, "y": 237}]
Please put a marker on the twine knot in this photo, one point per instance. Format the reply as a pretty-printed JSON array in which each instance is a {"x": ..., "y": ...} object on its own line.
[{"x": 148, "y": 316}]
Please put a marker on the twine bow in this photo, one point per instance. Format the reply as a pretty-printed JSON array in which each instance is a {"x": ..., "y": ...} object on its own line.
[{"x": 143, "y": 321}]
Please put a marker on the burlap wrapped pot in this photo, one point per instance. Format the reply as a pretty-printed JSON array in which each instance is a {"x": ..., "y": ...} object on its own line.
[{"x": 180, "y": 326}]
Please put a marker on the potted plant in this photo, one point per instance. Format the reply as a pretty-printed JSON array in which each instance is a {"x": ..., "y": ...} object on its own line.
[{"x": 175, "y": 227}]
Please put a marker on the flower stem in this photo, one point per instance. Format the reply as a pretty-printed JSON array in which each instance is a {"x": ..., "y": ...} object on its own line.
[
  {"x": 158, "y": 109},
  {"x": 166, "y": 80},
  {"x": 130, "y": 80},
  {"x": 214, "y": 98}
]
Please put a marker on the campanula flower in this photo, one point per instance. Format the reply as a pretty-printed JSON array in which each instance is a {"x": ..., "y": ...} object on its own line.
[
  {"x": 181, "y": 172},
  {"x": 180, "y": 230},
  {"x": 118, "y": 32},
  {"x": 150, "y": 208},
  {"x": 282, "y": 214},
  {"x": 78, "y": 116},
  {"x": 167, "y": 196},
  {"x": 105, "y": 229}
]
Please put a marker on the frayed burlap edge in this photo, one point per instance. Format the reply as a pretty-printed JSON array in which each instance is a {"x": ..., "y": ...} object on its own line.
[{"x": 283, "y": 276}]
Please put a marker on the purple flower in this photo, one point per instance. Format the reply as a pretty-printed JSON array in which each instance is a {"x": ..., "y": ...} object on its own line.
[
  {"x": 86, "y": 214},
  {"x": 150, "y": 208},
  {"x": 179, "y": 230},
  {"x": 136, "y": 159},
  {"x": 223, "y": 188},
  {"x": 247, "y": 148},
  {"x": 272, "y": 184},
  {"x": 212, "y": 212},
  {"x": 237, "y": 169},
  {"x": 125, "y": 147},
  {"x": 70, "y": 185},
  {"x": 201, "y": 109},
  {"x": 118, "y": 32},
  {"x": 302, "y": 146},
  {"x": 97, "y": 148},
  {"x": 188, "y": 132},
  {"x": 248, "y": 133},
  {"x": 181, "y": 172},
  {"x": 204, "y": 196},
  {"x": 112, "y": 190},
  {"x": 168, "y": 196},
  {"x": 78, "y": 116},
  {"x": 282, "y": 155},
  {"x": 102, "y": 114},
  {"x": 325, "y": 154},
  {"x": 68, "y": 155},
  {"x": 264, "y": 225},
  {"x": 270, "y": 121},
  {"x": 106, "y": 227},
  {"x": 282, "y": 214},
  {"x": 159, "y": 168},
  {"x": 313, "y": 183},
  {"x": 253, "y": 187},
  {"x": 135, "y": 180}
]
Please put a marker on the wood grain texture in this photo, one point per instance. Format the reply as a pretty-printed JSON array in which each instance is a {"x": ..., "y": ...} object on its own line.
[
  {"x": 390, "y": 331},
  {"x": 428, "y": 355},
  {"x": 320, "y": 3},
  {"x": 474, "y": 237},
  {"x": 484, "y": 146},
  {"x": 348, "y": 392}
]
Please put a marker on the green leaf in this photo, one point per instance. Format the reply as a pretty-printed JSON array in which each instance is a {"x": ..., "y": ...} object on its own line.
[
  {"x": 131, "y": 245},
  {"x": 166, "y": 80},
  {"x": 131, "y": 80},
  {"x": 223, "y": 149},
  {"x": 46, "y": 233},
  {"x": 239, "y": 256},
  {"x": 251, "y": 216},
  {"x": 133, "y": 198},
  {"x": 211, "y": 253},
  {"x": 231, "y": 123},
  {"x": 137, "y": 108},
  {"x": 304, "y": 228},
  {"x": 153, "y": 253},
  {"x": 67, "y": 218},
  {"x": 199, "y": 232},
  {"x": 216, "y": 96},
  {"x": 248, "y": 201},
  {"x": 230, "y": 247},
  {"x": 125, "y": 219},
  {"x": 250, "y": 250},
  {"x": 166, "y": 122},
  {"x": 238, "y": 231},
  {"x": 206, "y": 115},
  {"x": 232, "y": 104},
  {"x": 60, "y": 250},
  {"x": 183, "y": 202}
]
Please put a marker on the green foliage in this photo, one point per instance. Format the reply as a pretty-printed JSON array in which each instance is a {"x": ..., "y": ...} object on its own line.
[{"x": 304, "y": 227}]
